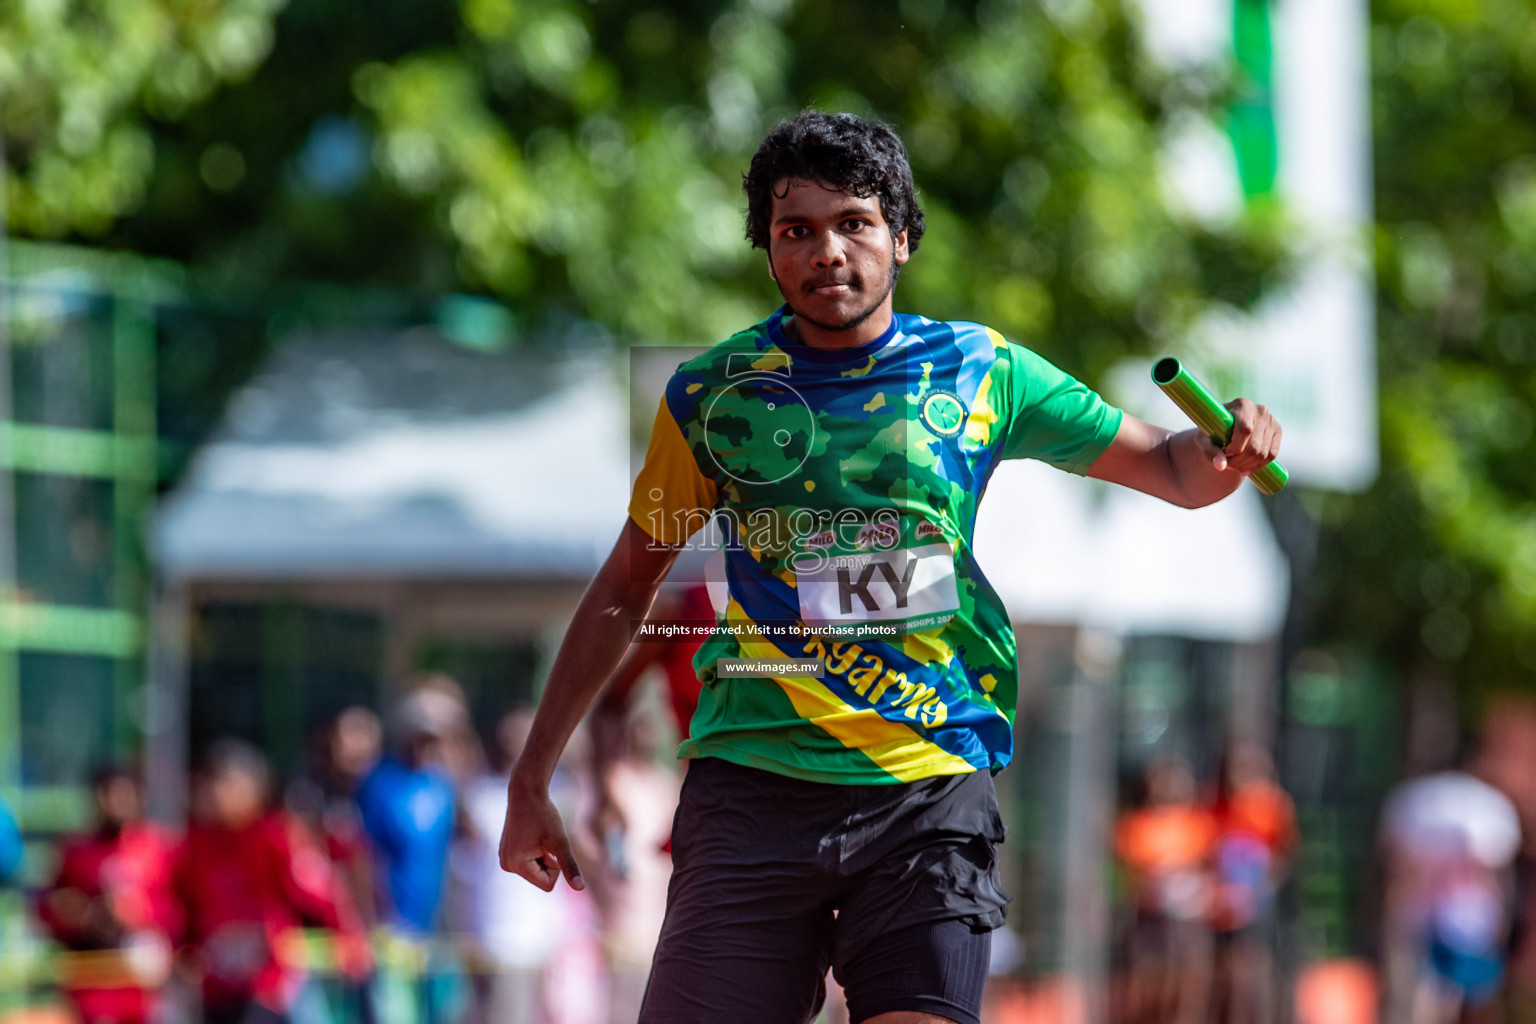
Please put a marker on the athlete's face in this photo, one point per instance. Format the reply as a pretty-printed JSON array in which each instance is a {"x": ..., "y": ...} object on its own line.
[{"x": 833, "y": 256}]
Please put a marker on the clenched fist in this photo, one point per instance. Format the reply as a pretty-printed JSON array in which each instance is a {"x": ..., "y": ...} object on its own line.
[{"x": 533, "y": 840}]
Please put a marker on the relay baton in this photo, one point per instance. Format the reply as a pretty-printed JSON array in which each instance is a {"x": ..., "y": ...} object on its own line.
[{"x": 1210, "y": 416}]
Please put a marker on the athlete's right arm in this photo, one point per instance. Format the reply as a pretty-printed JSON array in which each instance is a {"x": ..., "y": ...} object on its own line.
[{"x": 534, "y": 843}]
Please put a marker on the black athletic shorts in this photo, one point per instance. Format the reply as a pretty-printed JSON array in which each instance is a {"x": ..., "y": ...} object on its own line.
[{"x": 776, "y": 879}]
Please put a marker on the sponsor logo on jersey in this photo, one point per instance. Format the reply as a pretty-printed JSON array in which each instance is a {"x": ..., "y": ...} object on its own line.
[
  {"x": 878, "y": 535},
  {"x": 927, "y": 528},
  {"x": 824, "y": 539}
]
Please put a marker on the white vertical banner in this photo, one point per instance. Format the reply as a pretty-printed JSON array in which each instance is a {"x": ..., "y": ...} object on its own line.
[{"x": 1307, "y": 350}]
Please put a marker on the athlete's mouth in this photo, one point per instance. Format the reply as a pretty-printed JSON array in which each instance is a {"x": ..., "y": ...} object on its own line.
[{"x": 833, "y": 287}]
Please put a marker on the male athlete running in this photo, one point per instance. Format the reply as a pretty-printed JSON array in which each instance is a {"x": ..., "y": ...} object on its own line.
[{"x": 845, "y": 816}]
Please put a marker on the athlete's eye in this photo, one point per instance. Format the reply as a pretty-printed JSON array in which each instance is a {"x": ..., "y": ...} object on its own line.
[
  {"x": 855, "y": 224},
  {"x": 795, "y": 231}
]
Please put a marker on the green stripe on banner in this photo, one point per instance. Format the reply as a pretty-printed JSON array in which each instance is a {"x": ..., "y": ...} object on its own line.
[{"x": 1251, "y": 118}]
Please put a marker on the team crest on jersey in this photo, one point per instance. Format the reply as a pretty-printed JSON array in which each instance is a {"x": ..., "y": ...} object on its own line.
[{"x": 943, "y": 413}]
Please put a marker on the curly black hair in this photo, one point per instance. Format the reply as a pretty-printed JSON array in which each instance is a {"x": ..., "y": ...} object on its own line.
[{"x": 848, "y": 153}]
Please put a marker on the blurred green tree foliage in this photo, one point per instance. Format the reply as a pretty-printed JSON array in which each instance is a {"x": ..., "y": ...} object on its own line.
[
  {"x": 274, "y": 181},
  {"x": 585, "y": 158},
  {"x": 1435, "y": 567},
  {"x": 79, "y": 78},
  {"x": 593, "y": 153}
]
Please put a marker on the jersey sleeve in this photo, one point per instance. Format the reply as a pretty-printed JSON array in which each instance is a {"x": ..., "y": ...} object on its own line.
[
  {"x": 672, "y": 498},
  {"x": 1050, "y": 415}
]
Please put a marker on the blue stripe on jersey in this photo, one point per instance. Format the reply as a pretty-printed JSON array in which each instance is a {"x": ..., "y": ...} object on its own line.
[
  {"x": 939, "y": 346},
  {"x": 978, "y": 355},
  {"x": 761, "y": 594}
]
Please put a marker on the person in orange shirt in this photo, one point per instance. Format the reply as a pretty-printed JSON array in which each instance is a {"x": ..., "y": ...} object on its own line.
[
  {"x": 1256, "y": 826},
  {"x": 1166, "y": 847}
]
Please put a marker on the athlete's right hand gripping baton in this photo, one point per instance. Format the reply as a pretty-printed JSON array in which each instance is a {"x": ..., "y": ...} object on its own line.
[{"x": 1210, "y": 416}]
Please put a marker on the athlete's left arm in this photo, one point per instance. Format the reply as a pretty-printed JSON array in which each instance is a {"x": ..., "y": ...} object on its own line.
[{"x": 1188, "y": 468}]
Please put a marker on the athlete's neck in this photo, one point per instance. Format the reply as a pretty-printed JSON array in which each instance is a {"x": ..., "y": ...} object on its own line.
[{"x": 811, "y": 336}]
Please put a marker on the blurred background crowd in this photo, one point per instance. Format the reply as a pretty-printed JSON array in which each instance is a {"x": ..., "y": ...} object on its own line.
[
  {"x": 365, "y": 886},
  {"x": 329, "y": 337}
]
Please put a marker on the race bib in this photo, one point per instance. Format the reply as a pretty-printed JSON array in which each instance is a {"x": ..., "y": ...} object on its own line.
[{"x": 894, "y": 578}]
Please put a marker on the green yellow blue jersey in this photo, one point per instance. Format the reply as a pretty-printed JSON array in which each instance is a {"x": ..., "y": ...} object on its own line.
[{"x": 845, "y": 486}]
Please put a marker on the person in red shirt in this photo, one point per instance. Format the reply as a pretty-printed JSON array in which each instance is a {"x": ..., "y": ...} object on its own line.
[
  {"x": 248, "y": 878},
  {"x": 111, "y": 905}
]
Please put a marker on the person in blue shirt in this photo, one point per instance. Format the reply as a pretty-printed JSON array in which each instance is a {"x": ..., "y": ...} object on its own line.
[
  {"x": 11, "y": 846},
  {"x": 408, "y": 806}
]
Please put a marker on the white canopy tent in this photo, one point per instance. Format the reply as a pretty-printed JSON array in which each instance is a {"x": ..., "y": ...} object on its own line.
[
  {"x": 405, "y": 457},
  {"x": 449, "y": 492},
  {"x": 1067, "y": 551}
]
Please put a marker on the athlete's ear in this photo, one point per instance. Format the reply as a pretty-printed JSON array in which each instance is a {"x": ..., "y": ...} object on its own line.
[
  {"x": 899, "y": 251},
  {"x": 769, "y": 256}
]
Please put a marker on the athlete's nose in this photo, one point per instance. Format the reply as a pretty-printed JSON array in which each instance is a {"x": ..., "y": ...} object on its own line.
[{"x": 829, "y": 254}]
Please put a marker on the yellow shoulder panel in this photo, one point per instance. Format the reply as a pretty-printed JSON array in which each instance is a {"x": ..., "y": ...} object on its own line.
[{"x": 672, "y": 500}]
